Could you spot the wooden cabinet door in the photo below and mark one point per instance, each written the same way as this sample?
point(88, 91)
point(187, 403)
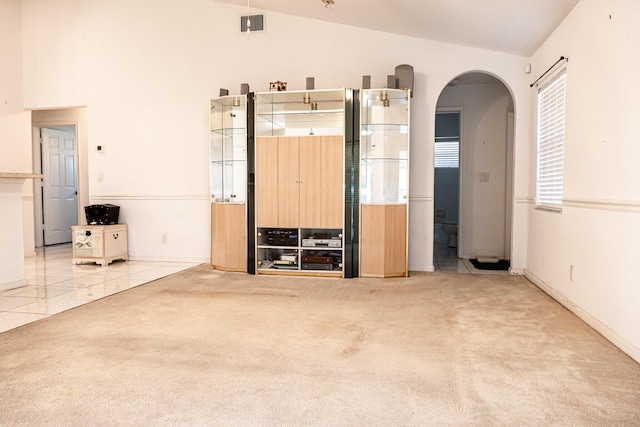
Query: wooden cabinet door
point(383, 241)
point(267, 182)
point(218, 235)
point(321, 181)
point(372, 244)
point(236, 237)
point(299, 182)
point(395, 260)
point(229, 237)
point(288, 199)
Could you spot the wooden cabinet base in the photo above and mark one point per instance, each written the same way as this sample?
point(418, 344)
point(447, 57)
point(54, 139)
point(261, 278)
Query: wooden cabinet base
point(229, 237)
point(383, 241)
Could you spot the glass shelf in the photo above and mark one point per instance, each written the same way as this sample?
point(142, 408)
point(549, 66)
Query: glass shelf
point(384, 146)
point(230, 133)
point(228, 149)
point(384, 181)
point(298, 113)
point(399, 128)
point(384, 106)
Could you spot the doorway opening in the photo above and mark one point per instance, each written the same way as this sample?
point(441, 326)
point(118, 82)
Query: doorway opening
point(71, 120)
point(447, 179)
point(56, 197)
point(473, 196)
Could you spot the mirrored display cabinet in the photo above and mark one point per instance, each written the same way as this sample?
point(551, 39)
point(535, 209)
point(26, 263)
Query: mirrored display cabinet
point(300, 181)
point(311, 182)
point(228, 165)
point(384, 182)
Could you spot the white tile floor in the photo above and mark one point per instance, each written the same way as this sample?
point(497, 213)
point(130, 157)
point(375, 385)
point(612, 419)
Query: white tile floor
point(445, 260)
point(55, 285)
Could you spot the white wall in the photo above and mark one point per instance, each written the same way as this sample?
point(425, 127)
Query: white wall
point(146, 70)
point(10, 59)
point(483, 149)
point(598, 231)
point(15, 134)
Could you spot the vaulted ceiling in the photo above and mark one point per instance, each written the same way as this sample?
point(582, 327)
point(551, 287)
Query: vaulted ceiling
point(512, 26)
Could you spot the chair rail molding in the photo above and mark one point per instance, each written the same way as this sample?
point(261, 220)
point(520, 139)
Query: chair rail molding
point(603, 204)
point(108, 197)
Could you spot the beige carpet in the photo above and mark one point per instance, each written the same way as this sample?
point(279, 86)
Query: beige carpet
point(206, 348)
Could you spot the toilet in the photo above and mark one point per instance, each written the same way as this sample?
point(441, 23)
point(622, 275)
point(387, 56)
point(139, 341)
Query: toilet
point(451, 228)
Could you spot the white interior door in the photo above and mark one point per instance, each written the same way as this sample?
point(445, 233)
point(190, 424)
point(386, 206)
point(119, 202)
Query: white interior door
point(60, 190)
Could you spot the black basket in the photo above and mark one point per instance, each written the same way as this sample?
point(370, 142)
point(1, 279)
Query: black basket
point(102, 214)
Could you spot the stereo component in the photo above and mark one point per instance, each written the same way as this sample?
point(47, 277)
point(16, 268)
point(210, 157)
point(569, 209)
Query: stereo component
point(329, 243)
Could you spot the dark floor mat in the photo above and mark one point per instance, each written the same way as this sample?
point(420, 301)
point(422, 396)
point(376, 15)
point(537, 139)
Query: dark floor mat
point(500, 265)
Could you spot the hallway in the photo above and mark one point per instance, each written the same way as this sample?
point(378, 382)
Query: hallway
point(445, 260)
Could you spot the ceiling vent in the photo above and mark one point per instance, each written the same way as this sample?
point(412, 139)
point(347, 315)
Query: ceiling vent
point(256, 23)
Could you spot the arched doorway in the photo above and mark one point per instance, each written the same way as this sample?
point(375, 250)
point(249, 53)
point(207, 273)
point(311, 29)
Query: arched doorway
point(473, 166)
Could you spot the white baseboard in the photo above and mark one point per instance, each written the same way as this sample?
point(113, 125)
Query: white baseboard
point(168, 259)
point(624, 345)
point(422, 268)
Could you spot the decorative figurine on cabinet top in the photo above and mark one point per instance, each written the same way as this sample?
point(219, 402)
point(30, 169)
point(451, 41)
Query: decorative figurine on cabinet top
point(277, 86)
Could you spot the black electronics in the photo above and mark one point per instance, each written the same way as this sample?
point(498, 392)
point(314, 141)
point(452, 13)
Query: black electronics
point(102, 214)
point(282, 237)
point(317, 259)
point(316, 266)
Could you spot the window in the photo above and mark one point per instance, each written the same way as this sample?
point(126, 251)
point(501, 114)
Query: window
point(447, 146)
point(446, 154)
point(551, 124)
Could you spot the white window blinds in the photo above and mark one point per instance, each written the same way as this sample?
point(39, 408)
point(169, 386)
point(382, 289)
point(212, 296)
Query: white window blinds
point(446, 153)
point(447, 146)
point(551, 124)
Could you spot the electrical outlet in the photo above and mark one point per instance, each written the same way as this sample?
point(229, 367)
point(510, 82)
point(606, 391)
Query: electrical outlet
point(484, 176)
point(164, 238)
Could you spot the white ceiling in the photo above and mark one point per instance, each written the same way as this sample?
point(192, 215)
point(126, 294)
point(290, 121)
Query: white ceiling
point(513, 26)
